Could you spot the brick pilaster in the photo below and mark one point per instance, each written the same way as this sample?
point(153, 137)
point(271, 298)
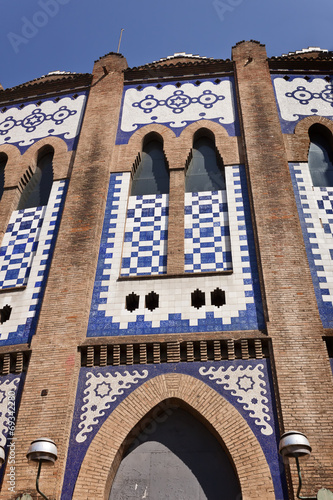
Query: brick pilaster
point(55, 363)
point(175, 263)
point(302, 366)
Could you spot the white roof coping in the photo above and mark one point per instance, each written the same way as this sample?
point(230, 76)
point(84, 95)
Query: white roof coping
point(180, 54)
point(302, 51)
point(51, 73)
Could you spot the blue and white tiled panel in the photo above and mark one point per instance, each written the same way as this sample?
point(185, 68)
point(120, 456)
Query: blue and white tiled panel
point(299, 97)
point(175, 313)
point(19, 246)
point(27, 251)
point(207, 236)
point(246, 385)
point(146, 235)
point(24, 124)
point(315, 208)
point(177, 104)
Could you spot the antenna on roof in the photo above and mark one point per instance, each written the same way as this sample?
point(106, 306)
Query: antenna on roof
point(121, 34)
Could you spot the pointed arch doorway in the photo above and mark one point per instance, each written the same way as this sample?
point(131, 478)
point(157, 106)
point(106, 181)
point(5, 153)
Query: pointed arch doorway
point(108, 448)
point(175, 457)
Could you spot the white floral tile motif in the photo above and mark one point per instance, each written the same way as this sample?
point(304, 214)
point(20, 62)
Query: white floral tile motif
point(247, 384)
point(299, 96)
point(101, 391)
point(178, 106)
point(25, 125)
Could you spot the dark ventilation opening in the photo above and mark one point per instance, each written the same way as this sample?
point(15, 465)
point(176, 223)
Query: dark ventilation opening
point(151, 301)
point(217, 297)
point(132, 302)
point(197, 299)
point(5, 313)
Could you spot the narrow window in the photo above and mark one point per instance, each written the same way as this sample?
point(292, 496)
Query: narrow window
point(3, 161)
point(37, 191)
point(320, 158)
point(151, 176)
point(205, 171)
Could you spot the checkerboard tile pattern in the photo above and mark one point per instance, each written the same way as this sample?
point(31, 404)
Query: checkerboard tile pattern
point(315, 209)
point(146, 235)
point(19, 246)
point(207, 236)
point(34, 239)
point(175, 313)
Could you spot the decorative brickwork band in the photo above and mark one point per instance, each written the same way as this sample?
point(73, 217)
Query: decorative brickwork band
point(173, 352)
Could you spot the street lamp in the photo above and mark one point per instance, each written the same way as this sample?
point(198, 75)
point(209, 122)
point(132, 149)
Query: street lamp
point(2, 455)
point(40, 450)
point(294, 444)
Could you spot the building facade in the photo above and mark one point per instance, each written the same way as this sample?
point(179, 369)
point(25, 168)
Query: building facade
point(166, 277)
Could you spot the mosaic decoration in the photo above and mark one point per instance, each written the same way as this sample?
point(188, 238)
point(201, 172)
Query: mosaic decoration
point(102, 390)
point(175, 313)
point(146, 235)
point(301, 96)
point(99, 393)
point(207, 235)
point(315, 210)
point(19, 246)
point(178, 104)
point(248, 386)
point(25, 124)
point(25, 258)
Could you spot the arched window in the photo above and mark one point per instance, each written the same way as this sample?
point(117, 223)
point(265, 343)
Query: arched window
point(37, 191)
point(205, 171)
point(151, 176)
point(320, 157)
point(176, 457)
point(3, 161)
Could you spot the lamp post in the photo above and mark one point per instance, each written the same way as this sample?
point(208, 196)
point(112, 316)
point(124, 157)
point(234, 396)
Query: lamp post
point(2, 455)
point(40, 450)
point(294, 444)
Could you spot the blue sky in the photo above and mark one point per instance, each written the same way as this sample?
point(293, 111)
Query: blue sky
point(38, 36)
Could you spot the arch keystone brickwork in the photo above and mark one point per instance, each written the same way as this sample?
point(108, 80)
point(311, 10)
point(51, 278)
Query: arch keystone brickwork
point(105, 452)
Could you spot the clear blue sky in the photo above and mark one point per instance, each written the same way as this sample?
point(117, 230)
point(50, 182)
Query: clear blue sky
point(38, 36)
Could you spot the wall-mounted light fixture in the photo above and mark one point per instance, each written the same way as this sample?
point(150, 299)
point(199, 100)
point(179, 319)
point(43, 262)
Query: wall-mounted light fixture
point(294, 444)
point(2, 455)
point(40, 450)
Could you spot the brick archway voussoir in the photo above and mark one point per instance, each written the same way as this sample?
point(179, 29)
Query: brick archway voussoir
point(98, 467)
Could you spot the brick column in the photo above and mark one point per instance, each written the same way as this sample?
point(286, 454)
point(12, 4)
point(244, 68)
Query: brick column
point(175, 263)
point(302, 367)
point(62, 326)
